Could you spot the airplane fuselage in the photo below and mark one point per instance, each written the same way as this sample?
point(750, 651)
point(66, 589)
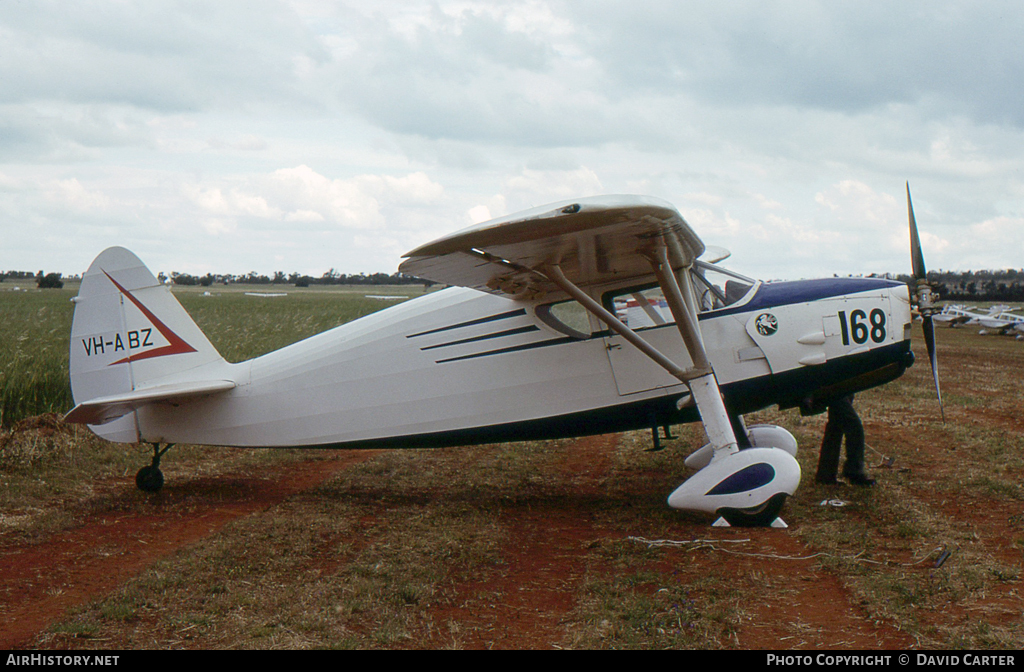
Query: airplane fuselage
point(459, 366)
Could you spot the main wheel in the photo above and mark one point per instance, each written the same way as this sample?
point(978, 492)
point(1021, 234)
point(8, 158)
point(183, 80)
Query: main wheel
point(149, 479)
point(758, 516)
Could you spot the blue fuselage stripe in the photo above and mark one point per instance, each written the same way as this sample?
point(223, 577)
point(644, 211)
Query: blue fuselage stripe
point(774, 294)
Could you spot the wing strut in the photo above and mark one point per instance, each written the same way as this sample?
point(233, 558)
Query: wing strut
point(700, 379)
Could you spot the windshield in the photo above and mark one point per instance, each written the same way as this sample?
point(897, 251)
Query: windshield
point(645, 306)
point(716, 287)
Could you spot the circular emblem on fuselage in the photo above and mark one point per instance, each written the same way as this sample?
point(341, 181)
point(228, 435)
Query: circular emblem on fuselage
point(766, 324)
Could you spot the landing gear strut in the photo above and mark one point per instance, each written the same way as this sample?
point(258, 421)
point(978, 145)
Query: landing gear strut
point(151, 479)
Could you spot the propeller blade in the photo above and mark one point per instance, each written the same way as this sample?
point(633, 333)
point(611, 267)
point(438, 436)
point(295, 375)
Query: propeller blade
point(929, 341)
point(923, 294)
point(916, 257)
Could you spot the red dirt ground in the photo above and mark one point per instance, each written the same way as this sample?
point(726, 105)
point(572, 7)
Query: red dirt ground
point(42, 581)
point(546, 565)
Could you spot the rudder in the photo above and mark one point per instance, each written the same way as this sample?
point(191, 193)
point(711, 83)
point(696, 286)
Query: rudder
point(129, 332)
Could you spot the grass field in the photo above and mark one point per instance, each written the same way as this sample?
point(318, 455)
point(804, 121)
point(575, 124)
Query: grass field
point(565, 544)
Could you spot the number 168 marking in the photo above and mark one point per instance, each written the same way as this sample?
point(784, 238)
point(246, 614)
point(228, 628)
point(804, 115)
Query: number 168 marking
point(860, 330)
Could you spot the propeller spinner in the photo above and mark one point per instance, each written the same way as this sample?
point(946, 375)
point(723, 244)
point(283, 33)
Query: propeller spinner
point(923, 296)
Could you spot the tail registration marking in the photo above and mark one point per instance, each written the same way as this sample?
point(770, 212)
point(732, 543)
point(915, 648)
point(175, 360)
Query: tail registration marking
point(136, 339)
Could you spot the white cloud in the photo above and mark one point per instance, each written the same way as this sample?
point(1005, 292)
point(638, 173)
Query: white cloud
point(217, 227)
point(531, 188)
point(995, 243)
point(339, 202)
point(767, 203)
point(72, 195)
point(479, 213)
point(8, 183)
point(704, 198)
point(354, 202)
point(304, 216)
point(856, 204)
point(413, 188)
point(230, 204)
point(248, 143)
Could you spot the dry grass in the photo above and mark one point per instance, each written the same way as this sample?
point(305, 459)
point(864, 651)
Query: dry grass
point(35, 330)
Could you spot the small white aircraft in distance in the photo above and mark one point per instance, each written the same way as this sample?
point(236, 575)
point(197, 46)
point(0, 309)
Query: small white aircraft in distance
point(954, 315)
point(526, 344)
point(1002, 320)
point(997, 318)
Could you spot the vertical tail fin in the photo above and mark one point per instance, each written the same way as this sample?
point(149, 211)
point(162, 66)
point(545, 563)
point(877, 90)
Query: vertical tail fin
point(130, 333)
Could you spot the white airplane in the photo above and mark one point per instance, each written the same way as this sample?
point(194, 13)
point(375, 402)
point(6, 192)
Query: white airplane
point(997, 318)
point(994, 317)
point(525, 345)
point(1001, 320)
point(955, 315)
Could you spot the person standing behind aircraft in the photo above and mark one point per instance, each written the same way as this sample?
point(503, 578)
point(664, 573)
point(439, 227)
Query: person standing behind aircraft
point(843, 421)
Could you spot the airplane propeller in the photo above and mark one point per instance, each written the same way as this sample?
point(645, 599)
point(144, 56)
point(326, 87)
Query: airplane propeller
point(923, 295)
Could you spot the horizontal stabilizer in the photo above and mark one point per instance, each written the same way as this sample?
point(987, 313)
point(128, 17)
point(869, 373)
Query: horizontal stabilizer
point(105, 409)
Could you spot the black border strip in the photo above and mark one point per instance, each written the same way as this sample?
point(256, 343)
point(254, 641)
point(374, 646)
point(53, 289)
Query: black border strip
point(482, 320)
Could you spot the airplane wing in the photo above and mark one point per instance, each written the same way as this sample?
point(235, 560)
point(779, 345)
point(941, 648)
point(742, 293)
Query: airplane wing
point(563, 249)
point(1004, 321)
point(105, 409)
point(592, 240)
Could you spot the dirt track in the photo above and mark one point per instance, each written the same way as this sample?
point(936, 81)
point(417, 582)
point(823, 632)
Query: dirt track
point(547, 563)
point(42, 581)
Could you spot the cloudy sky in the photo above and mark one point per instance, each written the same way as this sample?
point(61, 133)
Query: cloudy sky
point(300, 136)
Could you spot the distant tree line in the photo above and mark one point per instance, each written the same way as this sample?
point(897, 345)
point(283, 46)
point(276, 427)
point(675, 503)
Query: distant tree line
point(970, 286)
point(42, 280)
point(331, 277)
point(966, 286)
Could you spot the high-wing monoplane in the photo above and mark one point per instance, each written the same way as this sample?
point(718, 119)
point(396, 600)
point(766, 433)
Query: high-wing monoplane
point(997, 318)
point(1001, 320)
point(955, 315)
point(584, 317)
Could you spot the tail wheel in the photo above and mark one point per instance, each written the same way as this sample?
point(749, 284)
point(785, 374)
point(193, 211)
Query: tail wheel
point(757, 516)
point(149, 479)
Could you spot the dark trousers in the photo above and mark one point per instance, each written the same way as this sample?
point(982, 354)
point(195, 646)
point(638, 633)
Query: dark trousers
point(842, 421)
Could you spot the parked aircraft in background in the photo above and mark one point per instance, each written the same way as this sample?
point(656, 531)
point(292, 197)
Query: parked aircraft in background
point(1001, 320)
point(996, 318)
point(955, 315)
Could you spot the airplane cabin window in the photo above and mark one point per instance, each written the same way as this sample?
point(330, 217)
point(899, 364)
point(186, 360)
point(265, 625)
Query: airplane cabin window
point(645, 306)
point(717, 288)
point(642, 308)
point(568, 317)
